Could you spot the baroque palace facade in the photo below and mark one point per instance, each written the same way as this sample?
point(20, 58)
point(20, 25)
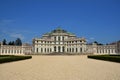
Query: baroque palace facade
point(60, 41)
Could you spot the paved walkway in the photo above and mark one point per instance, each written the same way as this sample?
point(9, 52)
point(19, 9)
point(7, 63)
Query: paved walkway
point(60, 68)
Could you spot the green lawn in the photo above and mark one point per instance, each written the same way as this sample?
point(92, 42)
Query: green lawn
point(113, 58)
point(11, 58)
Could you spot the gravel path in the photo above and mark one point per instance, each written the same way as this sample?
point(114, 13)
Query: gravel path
point(60, 68)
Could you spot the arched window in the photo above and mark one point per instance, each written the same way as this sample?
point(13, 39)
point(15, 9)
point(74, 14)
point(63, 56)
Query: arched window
point(45, 49)
point(55, 49)
point(8, 51)
point(80, 49)
point(11, 51)
point(67, 50)
point(63, 49)
point(59, 49)
point(112, 51)
point(109, 50)
point(37, 50)
point(58, 38)
point(76, 50)
point(55, 38)
point(63, 38)
point(14, 51)
point(5, 51)
point(41, 49)
point(50, 50)
point(2, 51)
point(17, 51)
point(20, 51)
point(72, 49)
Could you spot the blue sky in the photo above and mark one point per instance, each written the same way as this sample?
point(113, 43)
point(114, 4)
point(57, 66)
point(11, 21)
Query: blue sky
point(96, 20)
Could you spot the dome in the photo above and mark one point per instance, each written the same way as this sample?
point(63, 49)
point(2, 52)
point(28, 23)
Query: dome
point(59, 30)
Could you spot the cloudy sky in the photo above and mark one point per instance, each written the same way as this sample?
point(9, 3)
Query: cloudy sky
point(96, 20)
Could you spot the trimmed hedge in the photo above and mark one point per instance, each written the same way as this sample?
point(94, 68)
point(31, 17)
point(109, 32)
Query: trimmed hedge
point(10, 58)
point(113, 58)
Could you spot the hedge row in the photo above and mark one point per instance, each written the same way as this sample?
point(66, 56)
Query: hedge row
point(113, 58)
point(10, 58)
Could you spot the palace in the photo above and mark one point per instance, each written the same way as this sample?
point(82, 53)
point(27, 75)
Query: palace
point(60, 41)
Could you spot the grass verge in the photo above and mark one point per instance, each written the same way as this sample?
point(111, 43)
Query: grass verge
point(113, 58)
point(11, 58)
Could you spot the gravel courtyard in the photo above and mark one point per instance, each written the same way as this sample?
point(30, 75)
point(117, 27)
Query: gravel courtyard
point(60, 68)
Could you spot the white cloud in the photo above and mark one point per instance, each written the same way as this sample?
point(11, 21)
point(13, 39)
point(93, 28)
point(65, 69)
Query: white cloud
point(12, 34)
point(6, 22)
point(92, 38)
point(17, 35)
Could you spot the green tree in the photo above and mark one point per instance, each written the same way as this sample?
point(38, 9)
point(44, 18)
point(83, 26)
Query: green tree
point(4, 42)
point(10, 43)
point(98, 43)
point(18, 42)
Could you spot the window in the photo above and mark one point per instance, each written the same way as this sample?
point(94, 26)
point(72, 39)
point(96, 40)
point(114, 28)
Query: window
point(17, 51)
point(20, 51)
point(80, 49)
point(55, 49)
point(76, 41)
point(41, 50)
point(76, 50)
point(112, 50)
point(63, 38)
point(2, 51)
point(63, 48)
point(55, 38)
point(5, 51)
point(8, 51)
point(37, 50)
point(67, 49)
point(11, 51)
point(59, 38)
point(48, 50)
point(14, 51)
point(72, 49)
point(45, 49)
point(59, 48)
point(109, 50)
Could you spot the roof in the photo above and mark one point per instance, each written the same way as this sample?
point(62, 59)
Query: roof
point(58, 30)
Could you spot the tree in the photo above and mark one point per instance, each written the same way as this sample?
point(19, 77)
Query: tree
point(10, 43)
point(98, 43)
point(4, 42)
point(18, 42)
